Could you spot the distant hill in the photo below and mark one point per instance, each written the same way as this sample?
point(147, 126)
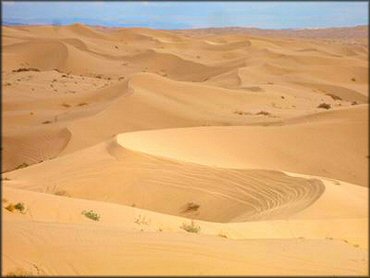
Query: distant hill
point(337, 33)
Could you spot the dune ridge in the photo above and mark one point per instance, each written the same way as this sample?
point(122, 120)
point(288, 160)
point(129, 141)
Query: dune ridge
point(134, 151)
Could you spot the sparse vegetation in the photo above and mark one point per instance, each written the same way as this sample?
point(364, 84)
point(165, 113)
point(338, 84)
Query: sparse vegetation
point(66, 105)
point(190, 207)
point(241, 112)
point(82, 104)
point(324, 106)
point(46, 122)
point(222, 235)
point(91, 214)
point(354, 103)
point(141, 220)
point(191, 228)
point(18, 206)
point(263, 113)
point(356, 245)
point(353, 79)
point(25, 69)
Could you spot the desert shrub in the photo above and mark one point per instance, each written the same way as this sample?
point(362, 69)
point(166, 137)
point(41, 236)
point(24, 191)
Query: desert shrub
point(46, 122)
point(19, 206)
point(324, 106)
point(335, 97)
point(25, 69)
point(66, 105)
point(20, 166)
point(263, 113)
point(91, 214)
point(190, 228)
point(141, 220)
point(191, 207)
point(353, 79)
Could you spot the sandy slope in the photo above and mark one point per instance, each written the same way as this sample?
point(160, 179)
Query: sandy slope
point(151, 129)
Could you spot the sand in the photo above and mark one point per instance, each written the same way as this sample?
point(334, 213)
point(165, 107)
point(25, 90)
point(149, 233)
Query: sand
point(202, 152)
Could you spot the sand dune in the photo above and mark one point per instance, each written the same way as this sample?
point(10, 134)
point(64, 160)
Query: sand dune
point(216, 151)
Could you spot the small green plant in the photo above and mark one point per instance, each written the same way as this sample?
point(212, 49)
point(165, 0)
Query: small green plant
point(91, 214)
point(191, 228)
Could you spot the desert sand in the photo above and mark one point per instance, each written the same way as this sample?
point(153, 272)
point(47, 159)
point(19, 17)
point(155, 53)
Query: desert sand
point(197, 152)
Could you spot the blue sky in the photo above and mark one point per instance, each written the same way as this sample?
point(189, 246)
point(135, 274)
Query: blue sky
point(183, 15)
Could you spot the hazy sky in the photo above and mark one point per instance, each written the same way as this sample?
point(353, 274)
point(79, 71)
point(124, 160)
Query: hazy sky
point(175, 15)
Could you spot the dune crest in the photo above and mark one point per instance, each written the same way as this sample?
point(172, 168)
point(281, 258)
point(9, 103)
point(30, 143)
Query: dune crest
point(134, 151)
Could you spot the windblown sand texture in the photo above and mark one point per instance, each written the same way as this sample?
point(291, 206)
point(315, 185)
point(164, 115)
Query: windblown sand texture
point(202, 152)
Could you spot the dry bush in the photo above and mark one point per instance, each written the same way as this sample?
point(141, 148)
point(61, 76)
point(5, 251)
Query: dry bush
point(324, 106)
point(25, 69)
point(141, 220)
point(191, 228)
point(18, 206)
point(263, 113)
point(20, 166)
